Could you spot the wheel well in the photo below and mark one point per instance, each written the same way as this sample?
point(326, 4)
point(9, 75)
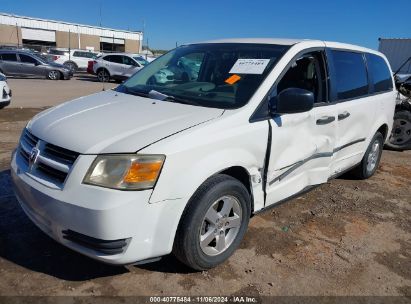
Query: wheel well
point(104, 69)
point(70, 61)
point(241, 174)
point(384, 131)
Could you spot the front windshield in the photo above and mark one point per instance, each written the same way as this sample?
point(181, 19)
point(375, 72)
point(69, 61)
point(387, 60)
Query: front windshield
point(223, 75)
point(141, 60)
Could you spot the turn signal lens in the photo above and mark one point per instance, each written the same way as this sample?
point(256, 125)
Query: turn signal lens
point(125, 172)
point(143, 172)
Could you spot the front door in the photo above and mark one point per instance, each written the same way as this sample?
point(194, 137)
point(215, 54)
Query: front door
point(302, 144)
point(129, 66)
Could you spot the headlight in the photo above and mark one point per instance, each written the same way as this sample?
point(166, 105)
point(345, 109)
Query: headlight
point(3, 77)
point(125, 172)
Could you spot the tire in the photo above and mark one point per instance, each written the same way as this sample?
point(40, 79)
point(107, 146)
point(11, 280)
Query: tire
point(54, 75)
point(71, 66)
point(400, 138)
point(103, 75)
point(371, 159)
point(220, 209)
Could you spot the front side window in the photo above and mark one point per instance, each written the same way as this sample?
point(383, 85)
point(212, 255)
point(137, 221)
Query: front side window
point(128, 61)
point(307, 72)
point(141, 61)
point(27, 59)
point(8, 57)
point(223, 75)
point(351, 74)
point(381, 76)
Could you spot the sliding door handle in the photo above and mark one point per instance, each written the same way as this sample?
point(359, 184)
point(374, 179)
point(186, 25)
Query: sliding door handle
point(325, 120)
point(343, 115)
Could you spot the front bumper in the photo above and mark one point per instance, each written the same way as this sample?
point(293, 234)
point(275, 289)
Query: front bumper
point(67, 74)
point(98, 214)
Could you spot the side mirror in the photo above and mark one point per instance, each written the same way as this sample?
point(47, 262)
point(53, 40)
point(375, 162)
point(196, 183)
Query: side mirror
point(292, 100)
point(37, 63)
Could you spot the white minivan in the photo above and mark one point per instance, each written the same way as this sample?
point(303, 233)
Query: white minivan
point(181, 155)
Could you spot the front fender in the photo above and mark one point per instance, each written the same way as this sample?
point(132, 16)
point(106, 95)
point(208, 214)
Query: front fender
point(202, 156)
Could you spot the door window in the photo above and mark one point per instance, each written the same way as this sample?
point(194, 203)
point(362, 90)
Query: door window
point(27, 59)
point(351, 74)
point(8, 57)
point(129, 61)
point(308, 72)
point(114, 59)
point(381, 76)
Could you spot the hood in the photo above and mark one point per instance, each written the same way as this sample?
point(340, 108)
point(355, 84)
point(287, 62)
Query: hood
point(112, 122)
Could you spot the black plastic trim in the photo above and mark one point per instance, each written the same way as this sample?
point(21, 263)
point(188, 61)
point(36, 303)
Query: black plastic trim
point(103, 246)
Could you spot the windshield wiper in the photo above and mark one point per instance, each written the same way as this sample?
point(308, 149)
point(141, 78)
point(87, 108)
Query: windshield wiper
point(126, 90)
point(164, 97)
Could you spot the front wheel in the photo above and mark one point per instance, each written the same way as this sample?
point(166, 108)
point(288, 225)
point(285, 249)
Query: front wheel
point(213, 224)
point(53, 75)
point(371, 159)
point(71, 66)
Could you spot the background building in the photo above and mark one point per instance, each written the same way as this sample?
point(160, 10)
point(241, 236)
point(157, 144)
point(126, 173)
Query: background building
point(38, 33)
point(397, 51)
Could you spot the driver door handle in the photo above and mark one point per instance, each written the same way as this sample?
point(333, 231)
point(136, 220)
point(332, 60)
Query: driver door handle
point(325, 120)
point(343, 115)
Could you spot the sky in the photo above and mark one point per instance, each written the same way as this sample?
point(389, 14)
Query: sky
point(168, 23)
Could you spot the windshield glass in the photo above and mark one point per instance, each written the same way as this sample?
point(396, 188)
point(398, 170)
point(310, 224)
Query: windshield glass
point(141, 60)
point(222, 75)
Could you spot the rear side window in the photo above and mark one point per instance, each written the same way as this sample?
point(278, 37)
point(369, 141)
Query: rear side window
point(9, 57)
point(114, 58)
point(381, 76)
point(351, 74)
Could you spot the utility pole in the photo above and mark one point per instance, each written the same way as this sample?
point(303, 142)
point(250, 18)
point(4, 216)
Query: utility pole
point(144, 35)
point(69, 44)
point(18, 36)
point(101, 4)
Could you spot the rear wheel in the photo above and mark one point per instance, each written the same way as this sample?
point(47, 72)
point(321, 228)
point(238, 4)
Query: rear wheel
point(71, 66)
point(213, 224)
point(103, 75)
point(400, 138)
point(53, 75)
point(371, 160)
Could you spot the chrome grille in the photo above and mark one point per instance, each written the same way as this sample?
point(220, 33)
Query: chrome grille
point(50, 163)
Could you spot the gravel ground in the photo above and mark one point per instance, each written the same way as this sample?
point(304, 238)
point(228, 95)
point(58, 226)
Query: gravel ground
point(346, 237)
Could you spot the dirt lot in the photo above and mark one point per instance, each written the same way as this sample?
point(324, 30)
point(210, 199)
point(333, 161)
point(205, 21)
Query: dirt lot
point(346, 237)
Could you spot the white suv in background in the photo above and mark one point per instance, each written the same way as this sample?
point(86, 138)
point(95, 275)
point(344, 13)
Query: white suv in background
point(5, 92)
point(153, 167)
point(117, 66)
point(75, 59)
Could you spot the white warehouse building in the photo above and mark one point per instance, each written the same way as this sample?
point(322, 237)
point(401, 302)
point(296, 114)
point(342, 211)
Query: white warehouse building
point(36, 32)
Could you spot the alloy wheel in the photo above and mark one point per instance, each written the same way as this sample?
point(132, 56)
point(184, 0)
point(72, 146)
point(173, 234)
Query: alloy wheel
point(54, 75)
point(220, 225)
point(373, 156)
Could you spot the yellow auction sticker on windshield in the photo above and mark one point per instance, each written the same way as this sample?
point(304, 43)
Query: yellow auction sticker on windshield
point(232, 79)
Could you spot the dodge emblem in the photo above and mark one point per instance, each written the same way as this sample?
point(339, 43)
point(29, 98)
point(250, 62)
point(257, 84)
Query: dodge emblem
point(33, 156)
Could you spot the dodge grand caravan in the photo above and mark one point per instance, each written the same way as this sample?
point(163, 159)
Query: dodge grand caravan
point(178, 158)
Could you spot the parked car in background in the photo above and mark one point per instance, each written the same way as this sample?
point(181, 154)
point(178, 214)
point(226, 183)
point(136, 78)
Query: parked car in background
point(117, 66)
point(75, 60)
point(182, 165)
point(5, 92)
point(23, 63)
